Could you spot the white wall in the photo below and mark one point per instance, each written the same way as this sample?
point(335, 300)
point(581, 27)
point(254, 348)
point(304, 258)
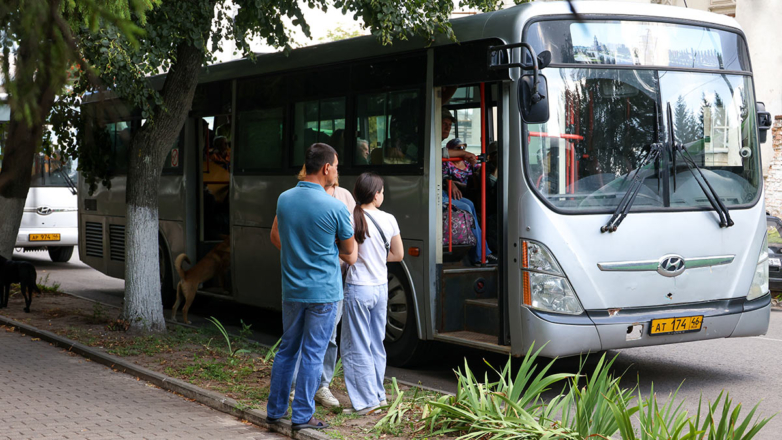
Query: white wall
point(760, 20)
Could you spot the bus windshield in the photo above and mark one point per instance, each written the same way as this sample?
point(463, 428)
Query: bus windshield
point(602, 121)
point(54, 171)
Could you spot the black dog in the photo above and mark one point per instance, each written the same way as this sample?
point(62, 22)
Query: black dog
point(21, 272)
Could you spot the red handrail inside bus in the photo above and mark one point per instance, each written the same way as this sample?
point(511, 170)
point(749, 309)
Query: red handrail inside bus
point(483, 175)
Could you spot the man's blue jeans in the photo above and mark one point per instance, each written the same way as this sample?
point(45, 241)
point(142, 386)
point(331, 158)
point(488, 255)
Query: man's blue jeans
point(307, 328)
point(330, 359)
point(466, 204)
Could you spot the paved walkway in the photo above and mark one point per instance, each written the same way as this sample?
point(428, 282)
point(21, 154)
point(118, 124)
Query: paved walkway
point(46, 392)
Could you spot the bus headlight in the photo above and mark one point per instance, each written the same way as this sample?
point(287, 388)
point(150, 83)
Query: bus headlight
point(544, 284)
point(759, 285)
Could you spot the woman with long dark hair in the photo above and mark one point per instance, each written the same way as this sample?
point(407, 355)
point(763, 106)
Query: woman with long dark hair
point(366, 295)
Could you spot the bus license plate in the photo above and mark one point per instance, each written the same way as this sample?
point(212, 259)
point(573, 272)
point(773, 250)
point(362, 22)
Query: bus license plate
point(774, 262)
point(44, 237)
point(672, 326)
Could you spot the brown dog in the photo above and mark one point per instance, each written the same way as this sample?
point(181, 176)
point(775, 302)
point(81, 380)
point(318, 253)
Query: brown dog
point(213, 264)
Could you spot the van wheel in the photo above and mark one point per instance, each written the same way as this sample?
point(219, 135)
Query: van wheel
point(60, 254)
point(167, 291)
point(403, 348)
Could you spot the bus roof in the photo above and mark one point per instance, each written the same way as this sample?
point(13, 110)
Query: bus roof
point(506, 25)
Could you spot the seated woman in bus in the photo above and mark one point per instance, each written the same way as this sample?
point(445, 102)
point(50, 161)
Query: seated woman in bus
point(459, 172)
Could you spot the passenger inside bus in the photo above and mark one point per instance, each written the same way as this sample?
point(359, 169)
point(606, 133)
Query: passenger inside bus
point(216, 168)
point(461, 173)
point(362, 152)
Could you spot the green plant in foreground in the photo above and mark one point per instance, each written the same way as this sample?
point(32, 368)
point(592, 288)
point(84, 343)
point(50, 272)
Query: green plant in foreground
point(272, 352)
point(227, 337)
point(589, 406)
point(510, 408)
point(585, 409)
point(245, 332)
point(338, 371)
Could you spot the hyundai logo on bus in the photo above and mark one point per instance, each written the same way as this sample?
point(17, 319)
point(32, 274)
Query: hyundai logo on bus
point(44, 210)
point(671, 265)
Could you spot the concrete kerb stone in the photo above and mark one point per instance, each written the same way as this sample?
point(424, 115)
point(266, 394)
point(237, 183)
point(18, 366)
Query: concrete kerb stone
point(187, 390)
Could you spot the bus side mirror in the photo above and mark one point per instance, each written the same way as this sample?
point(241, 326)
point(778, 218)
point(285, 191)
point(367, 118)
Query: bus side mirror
point(764, 121)
point(533, 99)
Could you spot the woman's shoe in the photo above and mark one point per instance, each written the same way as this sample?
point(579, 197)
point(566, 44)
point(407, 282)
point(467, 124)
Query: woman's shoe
point(361, 412)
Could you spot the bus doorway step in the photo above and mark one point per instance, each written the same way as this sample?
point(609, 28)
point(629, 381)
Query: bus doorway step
point(482, 315)
point(473, 339)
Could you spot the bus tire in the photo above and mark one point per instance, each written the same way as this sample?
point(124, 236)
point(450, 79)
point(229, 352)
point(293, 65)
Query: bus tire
point(167, 291)
point(403, 348)
point(60, 254)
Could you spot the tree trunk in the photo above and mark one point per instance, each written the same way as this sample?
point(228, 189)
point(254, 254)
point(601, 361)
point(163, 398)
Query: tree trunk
point(17, 163)
point(24, 137)
point(148, 150)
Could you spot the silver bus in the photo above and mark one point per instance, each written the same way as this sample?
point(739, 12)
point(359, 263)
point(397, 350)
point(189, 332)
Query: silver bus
point(623, 193)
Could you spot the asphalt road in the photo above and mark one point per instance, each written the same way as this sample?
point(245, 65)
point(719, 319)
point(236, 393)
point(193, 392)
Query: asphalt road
point(746, 367)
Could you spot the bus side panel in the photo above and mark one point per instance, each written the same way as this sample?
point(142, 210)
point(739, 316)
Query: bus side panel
point(102, 246)
point(257, 262)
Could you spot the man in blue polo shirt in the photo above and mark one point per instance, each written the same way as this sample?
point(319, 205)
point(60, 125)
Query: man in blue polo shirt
point(314, 228)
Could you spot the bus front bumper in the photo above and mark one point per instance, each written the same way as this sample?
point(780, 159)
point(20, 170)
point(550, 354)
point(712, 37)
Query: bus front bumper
point(68, 237)
point(598, 330)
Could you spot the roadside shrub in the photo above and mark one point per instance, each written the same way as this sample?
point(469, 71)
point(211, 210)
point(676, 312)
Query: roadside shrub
point(589, 406)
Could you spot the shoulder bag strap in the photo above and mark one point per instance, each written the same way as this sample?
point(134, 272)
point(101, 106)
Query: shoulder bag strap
point(382, 235)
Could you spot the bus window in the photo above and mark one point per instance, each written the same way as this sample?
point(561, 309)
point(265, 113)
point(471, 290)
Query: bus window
point(258, 140)
point(318, 121)
point(389, 125)
point(119, 135)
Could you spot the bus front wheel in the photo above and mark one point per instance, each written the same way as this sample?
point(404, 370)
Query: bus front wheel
point(60, 254)
point(403, 348)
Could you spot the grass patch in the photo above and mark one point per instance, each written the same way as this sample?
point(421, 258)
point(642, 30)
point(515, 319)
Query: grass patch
point(45, 287)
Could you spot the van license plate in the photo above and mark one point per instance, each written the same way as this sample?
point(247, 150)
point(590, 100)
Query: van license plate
point(44, 237)
point(672, 326)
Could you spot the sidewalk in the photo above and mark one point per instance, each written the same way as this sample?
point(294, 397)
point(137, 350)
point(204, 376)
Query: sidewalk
point(46, 392)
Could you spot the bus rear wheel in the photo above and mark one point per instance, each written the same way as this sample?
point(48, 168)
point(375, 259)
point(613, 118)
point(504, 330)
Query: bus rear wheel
point(60, 254)
point(403, 348)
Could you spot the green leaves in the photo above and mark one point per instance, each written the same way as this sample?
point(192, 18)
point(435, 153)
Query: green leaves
point(590, 406)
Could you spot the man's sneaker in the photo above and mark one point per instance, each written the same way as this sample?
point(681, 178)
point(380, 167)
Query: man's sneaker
point(384, 402)
point(325, 398)
point(292, 395)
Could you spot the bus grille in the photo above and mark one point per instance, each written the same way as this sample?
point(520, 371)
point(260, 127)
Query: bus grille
point(117, 242)
point(93, 238)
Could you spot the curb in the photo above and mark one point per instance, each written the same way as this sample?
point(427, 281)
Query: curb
point(200, 395)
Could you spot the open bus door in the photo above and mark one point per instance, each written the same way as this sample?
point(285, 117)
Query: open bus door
point(471, 299)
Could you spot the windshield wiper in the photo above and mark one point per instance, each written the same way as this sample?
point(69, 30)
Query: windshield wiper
point(71, 184)
point(708, 190)
point(653, 155)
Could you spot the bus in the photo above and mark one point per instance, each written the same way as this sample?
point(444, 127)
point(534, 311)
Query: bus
point(622, 195)
point(50, 217)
